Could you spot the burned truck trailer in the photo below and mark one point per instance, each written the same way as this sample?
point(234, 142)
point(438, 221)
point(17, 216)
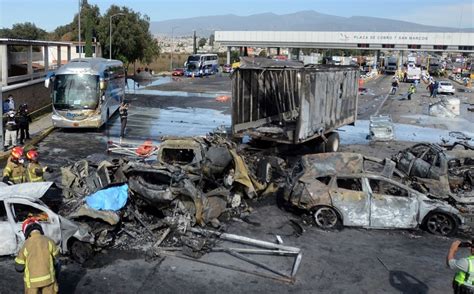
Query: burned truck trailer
point(286, 102)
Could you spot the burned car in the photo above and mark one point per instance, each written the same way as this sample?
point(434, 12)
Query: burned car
point(18, 202)
point(337, 190)
point(442, 172)
point(445, 172)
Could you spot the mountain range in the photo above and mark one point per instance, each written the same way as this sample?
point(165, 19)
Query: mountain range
point(298, 21)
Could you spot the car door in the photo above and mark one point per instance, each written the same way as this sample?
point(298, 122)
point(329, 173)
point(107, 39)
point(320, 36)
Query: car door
point(350, 199)
point(8, 240)
point(391, 205)
point(22, 209)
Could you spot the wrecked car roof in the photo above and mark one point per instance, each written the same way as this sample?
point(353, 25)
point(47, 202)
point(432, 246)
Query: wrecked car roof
point(324, 164)
point(26, 190)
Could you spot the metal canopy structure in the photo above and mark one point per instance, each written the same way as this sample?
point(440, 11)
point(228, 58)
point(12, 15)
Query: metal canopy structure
point(416, 41)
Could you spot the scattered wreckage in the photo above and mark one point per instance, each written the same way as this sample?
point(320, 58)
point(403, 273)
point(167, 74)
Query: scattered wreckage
point(19, 202)
point(194, 182)
point(337, 190)
point(445, 172)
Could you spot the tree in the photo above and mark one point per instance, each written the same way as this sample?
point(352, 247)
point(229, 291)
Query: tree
point(88, 35)
point(27, 31)
point(131, 37)
point(70, 31)
point(263, 53)
point(202, 42)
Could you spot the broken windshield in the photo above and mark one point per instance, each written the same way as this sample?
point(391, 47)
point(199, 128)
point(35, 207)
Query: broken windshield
point(73, 91)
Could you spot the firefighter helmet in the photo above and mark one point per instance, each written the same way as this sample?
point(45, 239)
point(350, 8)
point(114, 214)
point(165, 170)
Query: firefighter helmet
point(30, 224)
point(17, 152)
point(32, 155)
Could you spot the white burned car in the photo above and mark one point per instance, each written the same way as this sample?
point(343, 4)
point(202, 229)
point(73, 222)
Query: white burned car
point(337, 190)
point(18, 202)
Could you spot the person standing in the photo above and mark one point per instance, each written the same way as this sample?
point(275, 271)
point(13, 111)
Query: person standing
point(435, 89)
point(5, 106)
point(37, 259)
point(24, 123)
point(430, 88)
point(11, 129)
point(34, 171)
point(11, 103)
point(123, 112)
point(464, 279)
point(14, 171)
point(411, 91)
point(394, 88)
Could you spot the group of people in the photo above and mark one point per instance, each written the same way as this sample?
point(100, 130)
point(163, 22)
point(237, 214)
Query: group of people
point(396, 85)
point(18, 170)
point(16, 123)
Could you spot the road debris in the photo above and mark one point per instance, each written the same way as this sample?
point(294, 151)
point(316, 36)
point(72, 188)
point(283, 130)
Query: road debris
point(381, 128)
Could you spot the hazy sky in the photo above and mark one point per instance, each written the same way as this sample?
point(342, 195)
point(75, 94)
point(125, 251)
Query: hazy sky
point(48, 14)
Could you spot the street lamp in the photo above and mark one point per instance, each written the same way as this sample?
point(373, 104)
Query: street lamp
point(110, 33)
point(172, 41)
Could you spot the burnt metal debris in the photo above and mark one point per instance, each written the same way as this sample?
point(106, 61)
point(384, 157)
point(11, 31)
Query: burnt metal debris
point(194, 182)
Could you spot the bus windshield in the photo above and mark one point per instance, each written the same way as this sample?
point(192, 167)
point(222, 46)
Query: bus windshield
point(194, 58)
point(76, 91)
point(192, 66)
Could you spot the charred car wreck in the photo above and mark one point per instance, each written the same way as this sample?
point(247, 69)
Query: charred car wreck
point(443, 172)
point(337, 190)
point(194, 181)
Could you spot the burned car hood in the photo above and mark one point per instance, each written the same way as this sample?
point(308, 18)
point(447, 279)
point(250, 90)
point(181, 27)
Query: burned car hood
point(27, 190)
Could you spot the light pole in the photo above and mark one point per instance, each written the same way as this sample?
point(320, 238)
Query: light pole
point(110, 33)
point(172, 41)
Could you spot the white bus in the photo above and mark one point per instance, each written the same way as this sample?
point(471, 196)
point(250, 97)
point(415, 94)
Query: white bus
point(86, 92)
point(201, 65)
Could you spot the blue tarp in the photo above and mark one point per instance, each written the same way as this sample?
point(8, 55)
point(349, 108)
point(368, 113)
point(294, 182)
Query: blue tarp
point(109, 199)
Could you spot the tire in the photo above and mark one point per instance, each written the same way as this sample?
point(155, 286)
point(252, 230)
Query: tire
point(80, 251)
point(326, 218)
point(439, 223)
point(332, 144)
point(264, 171)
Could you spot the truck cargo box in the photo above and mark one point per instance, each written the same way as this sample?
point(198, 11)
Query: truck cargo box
point(286, 102)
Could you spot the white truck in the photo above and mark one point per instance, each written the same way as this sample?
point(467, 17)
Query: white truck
point(413, 72)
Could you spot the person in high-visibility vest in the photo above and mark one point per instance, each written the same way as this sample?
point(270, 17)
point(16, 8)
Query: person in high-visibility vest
point(37, 259)
point(411, 91)
point(14, 171)
point(464, 279)
point(34, 171)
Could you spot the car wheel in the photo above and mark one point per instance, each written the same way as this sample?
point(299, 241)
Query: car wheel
point(332, 144)
point(441, 224)
point(326, 218)
point(80, 251)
